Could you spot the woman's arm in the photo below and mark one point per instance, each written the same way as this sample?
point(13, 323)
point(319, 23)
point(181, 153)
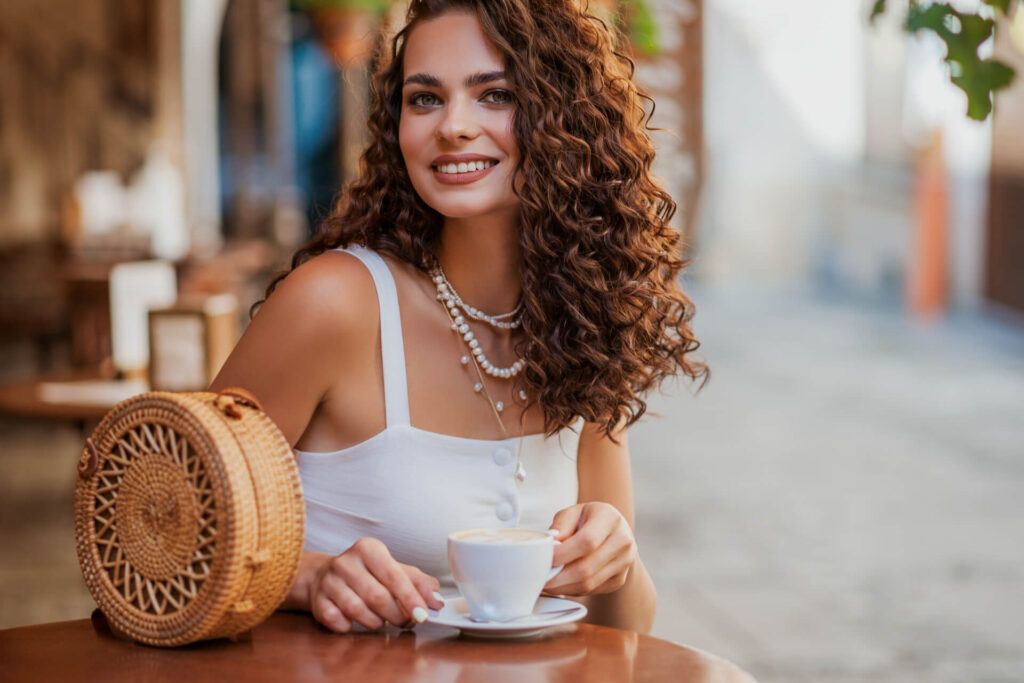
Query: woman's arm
point(604, 475)
point(298, 343)
point(318, 324)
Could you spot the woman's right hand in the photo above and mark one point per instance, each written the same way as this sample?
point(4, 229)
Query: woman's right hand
point(366, 585)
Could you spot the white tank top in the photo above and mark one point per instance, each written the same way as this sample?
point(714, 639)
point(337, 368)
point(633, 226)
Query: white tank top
point(410, 488)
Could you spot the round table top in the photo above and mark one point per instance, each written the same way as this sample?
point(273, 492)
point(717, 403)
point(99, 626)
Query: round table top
point(88, 398)
point(292, 647)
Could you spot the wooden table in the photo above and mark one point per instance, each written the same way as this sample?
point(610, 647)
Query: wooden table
point(292, 647)
point(21, 398)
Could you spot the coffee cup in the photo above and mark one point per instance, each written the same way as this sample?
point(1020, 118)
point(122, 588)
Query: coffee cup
point(501, 572)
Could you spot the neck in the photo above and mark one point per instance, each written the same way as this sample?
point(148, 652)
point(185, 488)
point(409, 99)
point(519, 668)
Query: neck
point(481, 258)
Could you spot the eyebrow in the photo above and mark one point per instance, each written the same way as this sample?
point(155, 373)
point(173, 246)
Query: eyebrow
point(471, 81)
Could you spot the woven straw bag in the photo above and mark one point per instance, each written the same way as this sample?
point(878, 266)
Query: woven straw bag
point(189, 516)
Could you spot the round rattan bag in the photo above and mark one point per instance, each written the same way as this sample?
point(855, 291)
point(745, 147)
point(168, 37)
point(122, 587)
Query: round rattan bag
point(189, 516)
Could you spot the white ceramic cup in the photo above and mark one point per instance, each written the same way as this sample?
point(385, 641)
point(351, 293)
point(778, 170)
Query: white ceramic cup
point(501, 579)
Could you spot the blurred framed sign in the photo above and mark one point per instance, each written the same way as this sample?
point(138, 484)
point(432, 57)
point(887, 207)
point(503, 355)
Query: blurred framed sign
point(190, 341)
point(135, 288)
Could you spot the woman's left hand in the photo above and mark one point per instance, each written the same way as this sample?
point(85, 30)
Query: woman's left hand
point(597, 549)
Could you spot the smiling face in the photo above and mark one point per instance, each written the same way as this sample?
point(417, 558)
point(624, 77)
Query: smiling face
point(455, 131)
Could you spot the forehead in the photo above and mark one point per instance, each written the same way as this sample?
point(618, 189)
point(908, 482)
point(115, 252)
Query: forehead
point(450, 46)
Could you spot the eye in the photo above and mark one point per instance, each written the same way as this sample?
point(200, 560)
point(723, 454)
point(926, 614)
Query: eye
point(499, 96)
point(417, 99)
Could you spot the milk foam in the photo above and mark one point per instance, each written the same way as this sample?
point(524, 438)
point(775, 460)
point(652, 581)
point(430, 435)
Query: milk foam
point(501, 536)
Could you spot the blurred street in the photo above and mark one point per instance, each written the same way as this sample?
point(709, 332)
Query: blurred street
point(841, 503)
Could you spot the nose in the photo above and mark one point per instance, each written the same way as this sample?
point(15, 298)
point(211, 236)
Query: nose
point(458, 121)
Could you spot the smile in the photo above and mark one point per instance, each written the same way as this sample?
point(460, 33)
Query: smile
point(464, 167)
point(463, 172)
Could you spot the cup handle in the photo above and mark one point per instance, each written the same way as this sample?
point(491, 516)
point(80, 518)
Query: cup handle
point(555, 570)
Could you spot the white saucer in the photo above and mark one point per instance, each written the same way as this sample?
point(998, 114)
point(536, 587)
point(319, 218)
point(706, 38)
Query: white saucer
point(455, 613)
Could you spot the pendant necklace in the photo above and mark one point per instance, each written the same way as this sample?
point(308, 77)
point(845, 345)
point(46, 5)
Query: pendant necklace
point(454, 307)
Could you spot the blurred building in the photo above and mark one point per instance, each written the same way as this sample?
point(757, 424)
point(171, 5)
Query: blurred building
point(793, 135)
point(816, 124)
point(99, 86)
point(208, 133)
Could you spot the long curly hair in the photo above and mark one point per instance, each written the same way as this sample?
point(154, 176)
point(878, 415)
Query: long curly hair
point(604, 318)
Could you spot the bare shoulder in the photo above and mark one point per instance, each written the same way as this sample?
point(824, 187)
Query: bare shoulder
point(324, 309)
point(320, 317)
point(333, 288)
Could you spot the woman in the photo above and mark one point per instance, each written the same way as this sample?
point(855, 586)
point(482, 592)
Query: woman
point(468, 339)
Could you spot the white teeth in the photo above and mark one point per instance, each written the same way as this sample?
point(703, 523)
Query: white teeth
point(464, 167)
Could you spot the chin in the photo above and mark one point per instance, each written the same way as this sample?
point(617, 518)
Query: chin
point(461, 209)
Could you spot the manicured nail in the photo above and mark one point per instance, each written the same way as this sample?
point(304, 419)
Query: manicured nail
point(554, 532)
point(438, 597)
point(419, 615)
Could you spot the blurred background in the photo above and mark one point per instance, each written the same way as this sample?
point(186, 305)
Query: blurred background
point(842, 502)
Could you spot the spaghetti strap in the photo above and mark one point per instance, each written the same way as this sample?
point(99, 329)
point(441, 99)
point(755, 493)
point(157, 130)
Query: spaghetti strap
point(392, 348)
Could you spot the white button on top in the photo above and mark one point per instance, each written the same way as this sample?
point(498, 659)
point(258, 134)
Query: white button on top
point(502, 457)
point(505, 512)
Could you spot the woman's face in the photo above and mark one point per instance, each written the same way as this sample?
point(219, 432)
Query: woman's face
point(456, 125)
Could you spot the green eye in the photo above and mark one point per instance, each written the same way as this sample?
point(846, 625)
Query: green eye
point(416, 99)
point(499, 96)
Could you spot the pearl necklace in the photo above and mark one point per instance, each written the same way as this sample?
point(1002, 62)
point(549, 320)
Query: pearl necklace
point(495, 321)
point(460, 326)
point(498, 321)
point(451, 301)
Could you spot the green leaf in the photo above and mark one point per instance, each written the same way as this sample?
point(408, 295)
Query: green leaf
point(378, 6)
point(930, 18)
point(1001, 5)
point(963, 33)
point(876, 10)
point(980, 83)
point(644, 29)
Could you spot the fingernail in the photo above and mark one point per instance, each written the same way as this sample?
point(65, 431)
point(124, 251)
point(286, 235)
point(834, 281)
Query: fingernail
point(554, 532)
point(438, 597)
point(419, 615)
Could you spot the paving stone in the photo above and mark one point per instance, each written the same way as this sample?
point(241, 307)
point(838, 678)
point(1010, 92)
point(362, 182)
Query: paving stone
point(844, 496)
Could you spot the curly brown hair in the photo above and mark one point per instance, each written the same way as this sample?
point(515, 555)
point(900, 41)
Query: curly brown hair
point(604, 318)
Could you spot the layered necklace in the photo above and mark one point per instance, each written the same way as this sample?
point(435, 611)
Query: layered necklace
point(458, 311)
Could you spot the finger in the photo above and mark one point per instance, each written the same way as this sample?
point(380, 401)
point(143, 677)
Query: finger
point(427, 586)
point(404, 601)
point(610, 586)
point(586, 587)
point(328, 614)
point(587, 573)
point(355, 609)
point(587, 539)
point(614, 583)
point(379, 599)
point(610, 580)
point(566, 521)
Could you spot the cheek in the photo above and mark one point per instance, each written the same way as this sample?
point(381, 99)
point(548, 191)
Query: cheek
point(405, 147)
point(508, 140)
point(409, 142)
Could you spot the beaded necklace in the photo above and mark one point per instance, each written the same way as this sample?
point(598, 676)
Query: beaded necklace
point(454, 307)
